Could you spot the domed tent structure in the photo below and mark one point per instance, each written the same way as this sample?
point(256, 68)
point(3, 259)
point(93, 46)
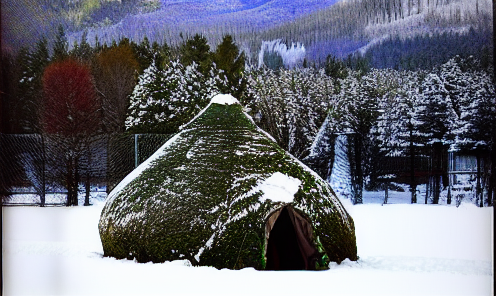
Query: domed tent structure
point(222, 193)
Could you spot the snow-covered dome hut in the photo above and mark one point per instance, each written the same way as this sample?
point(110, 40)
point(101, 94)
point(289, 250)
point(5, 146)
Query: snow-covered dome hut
point(222, 193)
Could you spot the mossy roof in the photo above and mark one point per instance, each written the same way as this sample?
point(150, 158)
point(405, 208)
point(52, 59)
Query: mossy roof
point(205, 194)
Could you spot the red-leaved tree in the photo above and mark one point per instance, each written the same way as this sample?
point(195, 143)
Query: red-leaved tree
point(69, 117)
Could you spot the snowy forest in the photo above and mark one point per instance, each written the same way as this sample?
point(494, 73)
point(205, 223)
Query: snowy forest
point(401, 125)
point(409, 84)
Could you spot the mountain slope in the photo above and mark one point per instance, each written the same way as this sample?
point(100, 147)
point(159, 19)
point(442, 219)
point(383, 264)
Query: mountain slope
point(358, 25)
point(210, 18)
point(24, 22)
point(324, 27)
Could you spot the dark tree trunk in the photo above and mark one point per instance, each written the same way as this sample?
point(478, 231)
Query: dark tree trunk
point(449, 195)
point(427, 188)
point(87, 189)
point(87, 184)
point(386, 193)
point(437, 169)
point(72, 182)
point(43, 175)
point(358, 169)
point(478, 189)
point(435, 189)
point(76, 183)
point(69, 181)
point(413, 184)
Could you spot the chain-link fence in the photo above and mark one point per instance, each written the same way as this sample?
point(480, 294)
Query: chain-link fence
point(33, 167)
point(126, 152)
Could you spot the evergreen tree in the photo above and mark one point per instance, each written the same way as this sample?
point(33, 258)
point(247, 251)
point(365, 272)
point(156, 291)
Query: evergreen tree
point(335, 68)
point(290, 105)
point(196, 50)
point(144, 53)
point(60, 47)
point(476, 128)
point(395, 129)
point(433, 117)
point(82, 51)
point(32, 64)
point(163, 100)
point(355, 115)
point(162, 53)
point(147, 53)
point(321, 157)
point(232, 64)
point(25, 103)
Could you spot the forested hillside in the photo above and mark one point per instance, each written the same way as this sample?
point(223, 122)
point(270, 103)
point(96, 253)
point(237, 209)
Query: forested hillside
point(397, 30)
point(26, 21)
point(402, 34)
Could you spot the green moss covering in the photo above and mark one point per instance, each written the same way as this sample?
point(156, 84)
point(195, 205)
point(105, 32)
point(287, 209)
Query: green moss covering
point(196, 201)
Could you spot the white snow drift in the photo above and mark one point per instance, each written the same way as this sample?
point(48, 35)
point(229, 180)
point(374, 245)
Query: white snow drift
point(404, 250)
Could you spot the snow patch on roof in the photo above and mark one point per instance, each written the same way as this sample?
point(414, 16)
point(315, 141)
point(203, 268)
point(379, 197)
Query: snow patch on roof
point(278, 188)
point(224, 99)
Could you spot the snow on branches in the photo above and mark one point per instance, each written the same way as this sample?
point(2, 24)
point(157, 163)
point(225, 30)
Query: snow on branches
point(163, 100)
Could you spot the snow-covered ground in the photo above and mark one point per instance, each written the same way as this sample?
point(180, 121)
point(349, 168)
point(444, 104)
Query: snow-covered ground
point(404, 249)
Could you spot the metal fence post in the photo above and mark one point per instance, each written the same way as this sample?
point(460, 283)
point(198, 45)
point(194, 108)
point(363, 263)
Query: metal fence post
point(135, 150)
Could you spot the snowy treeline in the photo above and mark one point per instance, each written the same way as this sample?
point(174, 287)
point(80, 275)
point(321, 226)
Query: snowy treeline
point(163, 100)
point(386, 113)
point(290, 104)
point(414, 114)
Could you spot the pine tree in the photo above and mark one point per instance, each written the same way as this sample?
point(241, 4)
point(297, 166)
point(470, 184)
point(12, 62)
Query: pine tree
point(144, 53)
point(164, 100)
point(82, 51)
point(32, 64)
point(433, 118)
point(321, 157)
point(161, 53)
point(60, 47)
point(355, 115)
point(476, 127)
point(335, 68)
point(196, 50)
point(395, 129)
point(290, 105)
point(232, 64)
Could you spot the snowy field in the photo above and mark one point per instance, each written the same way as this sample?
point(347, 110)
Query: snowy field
point(404, 249)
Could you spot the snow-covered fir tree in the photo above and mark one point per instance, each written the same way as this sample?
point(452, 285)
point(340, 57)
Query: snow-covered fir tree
point(291, 104)
point(321, 157)
point(476, 126)
point(434, 113)
point(395, 131)
point(355, 114)
point(162, 101)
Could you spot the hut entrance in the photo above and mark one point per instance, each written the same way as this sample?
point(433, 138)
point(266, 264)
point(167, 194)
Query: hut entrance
point(289, 241)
